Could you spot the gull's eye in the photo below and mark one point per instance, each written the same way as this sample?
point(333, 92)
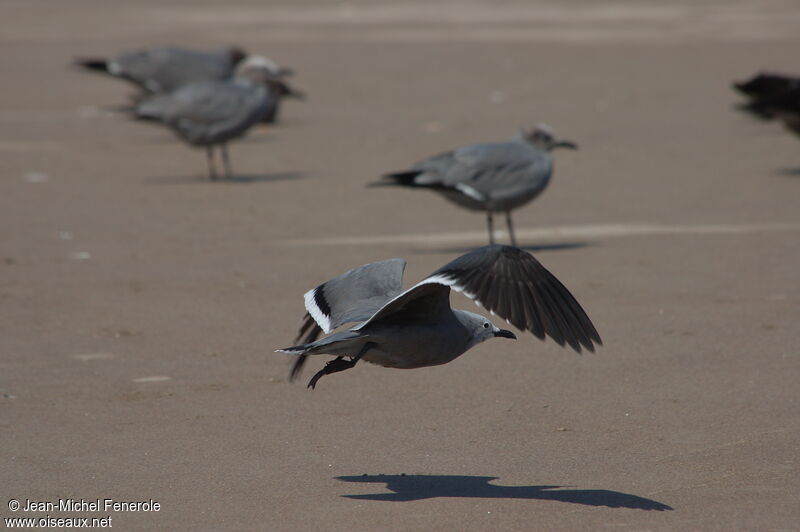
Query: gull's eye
point(486, 325)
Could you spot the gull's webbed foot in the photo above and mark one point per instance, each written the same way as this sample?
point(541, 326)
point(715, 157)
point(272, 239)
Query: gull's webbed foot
point(334, 366)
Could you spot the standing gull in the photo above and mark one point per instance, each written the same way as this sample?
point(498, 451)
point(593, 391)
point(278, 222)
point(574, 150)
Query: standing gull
point(212, 113)
point(491, 177)
point(166, 68)
point(417, 328)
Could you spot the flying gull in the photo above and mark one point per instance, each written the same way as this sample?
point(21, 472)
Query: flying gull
point(417, 327)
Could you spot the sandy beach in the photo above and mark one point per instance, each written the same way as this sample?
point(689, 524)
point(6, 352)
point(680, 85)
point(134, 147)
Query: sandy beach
point(141, 303)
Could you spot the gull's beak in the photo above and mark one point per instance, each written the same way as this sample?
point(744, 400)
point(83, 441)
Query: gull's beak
point(565, 144)
point(505, 334)
point(295, 93)
point(276, 83)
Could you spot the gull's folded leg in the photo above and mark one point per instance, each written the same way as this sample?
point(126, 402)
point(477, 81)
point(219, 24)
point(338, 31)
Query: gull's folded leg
point(510, 229)
point(212, 171)
point(339, 364)
point(226, 161)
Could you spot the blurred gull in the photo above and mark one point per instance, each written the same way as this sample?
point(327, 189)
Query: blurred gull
point(490, 177)
point(166, 68)
point(417, 328)
point(786, 108)
point(210, 113)
point(765, 91)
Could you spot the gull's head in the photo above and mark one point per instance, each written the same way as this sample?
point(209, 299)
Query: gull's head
point(259, 61)
point(262, 75)
point(480, 328)
point(283, 89)
point(542, 136)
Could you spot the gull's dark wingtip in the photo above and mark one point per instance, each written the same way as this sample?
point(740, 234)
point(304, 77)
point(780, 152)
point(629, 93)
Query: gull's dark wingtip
point(312, 331)
point(510, 282)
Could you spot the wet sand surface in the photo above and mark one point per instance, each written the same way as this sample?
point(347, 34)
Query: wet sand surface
point(140, 304)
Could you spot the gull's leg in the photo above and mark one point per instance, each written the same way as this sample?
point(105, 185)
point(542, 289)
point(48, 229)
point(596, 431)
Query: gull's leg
point(490, 224)
point(510, 229)
point(339, 364)
point(212, 171)
point(226, 162)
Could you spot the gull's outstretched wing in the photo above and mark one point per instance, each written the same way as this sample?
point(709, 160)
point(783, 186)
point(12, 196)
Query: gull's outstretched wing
point(352, 297)
point(511, 283)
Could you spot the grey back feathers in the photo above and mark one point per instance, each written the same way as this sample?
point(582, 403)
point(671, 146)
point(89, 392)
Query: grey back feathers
point(505, 280)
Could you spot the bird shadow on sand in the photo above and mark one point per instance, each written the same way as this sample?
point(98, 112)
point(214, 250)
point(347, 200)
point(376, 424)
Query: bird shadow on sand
point(534, 248)
point(788, 172)
point(236, 179)
point(417, 487)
